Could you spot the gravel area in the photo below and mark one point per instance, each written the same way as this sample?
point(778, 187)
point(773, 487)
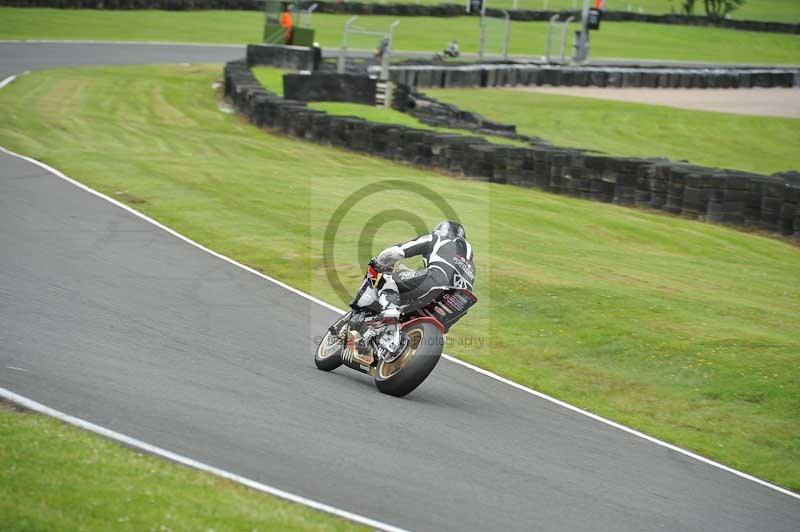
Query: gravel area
point(763, 102)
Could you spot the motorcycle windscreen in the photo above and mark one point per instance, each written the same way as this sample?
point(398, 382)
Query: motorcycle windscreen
point(366, 297)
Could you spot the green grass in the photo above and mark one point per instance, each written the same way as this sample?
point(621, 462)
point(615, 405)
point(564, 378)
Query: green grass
point(57, 477)
point(272, 79)
point(684, 330)
point(755, 143)
point(616, 40)
point(778, 10)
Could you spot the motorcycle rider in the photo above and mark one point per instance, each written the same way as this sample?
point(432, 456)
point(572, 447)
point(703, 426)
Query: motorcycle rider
point(447, 256)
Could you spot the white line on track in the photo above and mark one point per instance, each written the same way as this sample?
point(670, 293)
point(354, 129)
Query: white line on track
point(447, 357)
point(8, 80)
point(169, 455)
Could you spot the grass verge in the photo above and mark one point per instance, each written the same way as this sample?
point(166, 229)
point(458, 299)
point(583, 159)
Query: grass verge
point(684, 330)
point(755, 143)
point(652, 41)
point(777, 10)
point(57, 477)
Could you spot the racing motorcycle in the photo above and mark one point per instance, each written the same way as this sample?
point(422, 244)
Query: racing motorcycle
point(398, 353)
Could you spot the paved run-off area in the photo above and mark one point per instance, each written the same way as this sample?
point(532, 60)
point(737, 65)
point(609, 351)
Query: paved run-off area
point(761, 102)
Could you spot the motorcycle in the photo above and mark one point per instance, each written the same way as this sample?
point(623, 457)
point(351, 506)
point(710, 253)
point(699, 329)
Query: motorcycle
point(398, 353)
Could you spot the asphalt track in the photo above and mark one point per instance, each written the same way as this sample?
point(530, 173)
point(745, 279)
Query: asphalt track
point(111, 319)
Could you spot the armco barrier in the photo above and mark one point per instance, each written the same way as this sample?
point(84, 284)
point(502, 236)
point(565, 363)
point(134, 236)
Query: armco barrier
point(528, 74)
point(735, 198)
point(410, 9)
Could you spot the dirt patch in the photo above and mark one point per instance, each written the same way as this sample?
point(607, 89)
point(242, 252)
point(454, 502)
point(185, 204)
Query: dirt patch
point(127, 197)
point(762, 102)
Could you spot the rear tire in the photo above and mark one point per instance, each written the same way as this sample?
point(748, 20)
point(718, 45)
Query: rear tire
point(401, 376)
point(329, 351)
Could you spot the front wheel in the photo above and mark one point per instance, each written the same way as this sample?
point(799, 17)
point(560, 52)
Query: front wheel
point(407, 371)
point(329, 351)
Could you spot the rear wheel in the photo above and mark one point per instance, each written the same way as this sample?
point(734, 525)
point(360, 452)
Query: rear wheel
point(329, 351)
point(407, 370)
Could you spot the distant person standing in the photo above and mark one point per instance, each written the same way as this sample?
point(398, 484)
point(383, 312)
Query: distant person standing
point(382, 47)
point(287, 23)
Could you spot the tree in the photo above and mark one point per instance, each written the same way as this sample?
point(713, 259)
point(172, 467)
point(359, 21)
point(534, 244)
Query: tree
point(721, 8)
point(688, 7)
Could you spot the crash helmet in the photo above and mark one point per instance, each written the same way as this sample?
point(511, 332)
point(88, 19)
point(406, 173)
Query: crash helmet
point(451, 230)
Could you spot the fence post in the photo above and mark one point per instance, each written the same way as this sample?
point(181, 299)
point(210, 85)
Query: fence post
point(549, 43)
point(386, 57)
point(507, 28)
point(564, 34)
point(582, 48)
point(342, 67)
point(305, 16)
point(482, 41)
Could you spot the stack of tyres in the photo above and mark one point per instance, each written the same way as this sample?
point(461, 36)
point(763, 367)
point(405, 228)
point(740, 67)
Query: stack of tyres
point(658, 185)
point(643, 176)
point(442, 150)
point(625, 173)
point(380, 143)
point(480, 161)
point(509, 164)
point(338, 131)
point(286, 115)
point(695, 194)
point(456, 152)
point(791, 206)
point(559, 161)
point(403, 148)
point(301, 125)
point(321, 128)
point(752, 200)
point(771, 203)
point(675, 183)
point(727, 198)
point(424, 152)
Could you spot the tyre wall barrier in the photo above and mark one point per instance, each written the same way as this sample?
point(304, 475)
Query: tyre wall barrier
point(410, 9)
point(323, 87)
point(729, 197)
point(354, 88)
point(434, 113)
point(283, 56)
point(512, 74)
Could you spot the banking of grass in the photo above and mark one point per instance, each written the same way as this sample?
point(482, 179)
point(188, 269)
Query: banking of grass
point(615, 40)
point(684, 330)
point(57, 477)
point(754, 143)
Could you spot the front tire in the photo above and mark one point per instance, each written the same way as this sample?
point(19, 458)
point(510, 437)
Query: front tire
point(403, 374)
point(329, 351)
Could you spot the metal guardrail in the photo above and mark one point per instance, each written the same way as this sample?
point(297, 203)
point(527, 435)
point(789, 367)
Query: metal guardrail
point(305, 16)
point(554, 21)
point(351, 29)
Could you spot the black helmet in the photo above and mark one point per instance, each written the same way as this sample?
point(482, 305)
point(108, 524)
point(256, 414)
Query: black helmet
point(451, 230)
